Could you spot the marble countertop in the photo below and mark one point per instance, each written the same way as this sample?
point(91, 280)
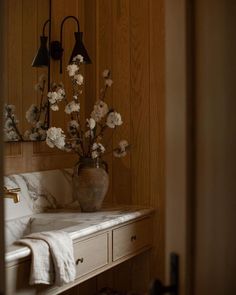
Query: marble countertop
point(77, 224)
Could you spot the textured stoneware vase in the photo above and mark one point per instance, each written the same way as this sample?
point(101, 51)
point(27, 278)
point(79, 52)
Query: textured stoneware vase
point(90, 184)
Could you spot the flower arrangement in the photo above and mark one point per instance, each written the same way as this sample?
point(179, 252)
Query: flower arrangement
point(87, 141)
point(10, 129)
point(36, 116)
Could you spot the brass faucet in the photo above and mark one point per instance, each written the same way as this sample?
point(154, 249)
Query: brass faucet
point(12, 193)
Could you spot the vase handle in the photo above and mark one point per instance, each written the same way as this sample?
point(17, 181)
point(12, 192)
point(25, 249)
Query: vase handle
point(105, 166)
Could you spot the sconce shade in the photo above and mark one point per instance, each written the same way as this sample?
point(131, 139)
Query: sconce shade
point(42, 57)
point(79, 48)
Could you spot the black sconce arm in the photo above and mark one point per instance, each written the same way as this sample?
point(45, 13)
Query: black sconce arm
point(56, 49)
point(44, 26)
point(62, 24)
point(61, 33)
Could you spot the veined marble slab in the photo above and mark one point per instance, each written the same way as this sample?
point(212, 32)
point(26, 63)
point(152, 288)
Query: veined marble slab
point(77, 224)
point(39, 191)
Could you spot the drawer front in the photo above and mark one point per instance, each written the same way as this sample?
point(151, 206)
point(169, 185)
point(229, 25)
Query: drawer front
point(131, 238)
point(91, 254)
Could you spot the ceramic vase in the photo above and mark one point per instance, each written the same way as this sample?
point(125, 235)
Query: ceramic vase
point(90, 183)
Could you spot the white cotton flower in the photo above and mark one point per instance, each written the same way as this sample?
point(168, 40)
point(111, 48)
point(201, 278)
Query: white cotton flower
point(123, 144)
point(61, 93)
point(55, 107)
point(113, 120)
point(32, 114)
point(94, 154)
point(79, 57)
point(56, 96)
point(106, 73)
point(91, 123)
point(9, 109)
point(108, 82)
point(11, 136)
point(100, 110)
point(73, 127)
point(79, 79)
point(8, 125)
point(72, 107)
point(101, 148)
point(121, 150)
point(72, 69)
point(98, 147)
point(52, 97)
point(55, 137)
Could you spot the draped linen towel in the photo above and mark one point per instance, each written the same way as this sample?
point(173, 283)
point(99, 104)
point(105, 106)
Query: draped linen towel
point(52, 257)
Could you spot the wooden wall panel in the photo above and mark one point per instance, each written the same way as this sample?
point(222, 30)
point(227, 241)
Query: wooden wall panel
point(157, 133)
point(104, 56)
point(129, 38)
point(139, 16)
point(126, 36)
point(121, 98)
point(14, 63)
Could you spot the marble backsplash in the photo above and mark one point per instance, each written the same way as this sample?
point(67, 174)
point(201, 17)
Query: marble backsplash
point(39, 191)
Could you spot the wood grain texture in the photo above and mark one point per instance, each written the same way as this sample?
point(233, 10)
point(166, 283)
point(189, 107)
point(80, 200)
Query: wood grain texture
point(157, 133)
point(140, 100)
point(126, 36)
point(104, 56)
point(121, 98)
point(129, 39)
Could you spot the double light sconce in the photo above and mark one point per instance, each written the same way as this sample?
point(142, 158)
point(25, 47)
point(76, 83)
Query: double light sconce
point(55, 49)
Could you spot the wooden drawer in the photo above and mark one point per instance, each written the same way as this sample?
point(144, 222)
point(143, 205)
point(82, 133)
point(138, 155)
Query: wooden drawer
point(131, 238)
point(91, 254)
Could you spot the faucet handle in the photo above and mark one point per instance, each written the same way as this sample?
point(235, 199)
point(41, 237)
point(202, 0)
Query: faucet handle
point(11, 190)
point(12, 193)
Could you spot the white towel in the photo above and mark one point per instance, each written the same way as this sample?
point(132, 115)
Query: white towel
point(52, 257)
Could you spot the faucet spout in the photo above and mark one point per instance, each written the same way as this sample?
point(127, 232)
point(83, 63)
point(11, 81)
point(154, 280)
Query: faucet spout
point(12, 193)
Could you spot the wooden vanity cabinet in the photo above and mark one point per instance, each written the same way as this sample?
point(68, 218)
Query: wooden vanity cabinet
point(93, 255)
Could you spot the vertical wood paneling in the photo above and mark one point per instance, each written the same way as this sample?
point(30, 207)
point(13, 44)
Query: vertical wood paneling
point(137, 60)
point(136, 38)
point(121, 98)
point(157, 136)
point(14, 65)
point(29, 46)
point(139, 95)
point(90, 38)
point(105, 55)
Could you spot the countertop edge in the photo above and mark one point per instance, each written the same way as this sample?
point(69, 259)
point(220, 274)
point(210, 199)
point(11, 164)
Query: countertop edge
point(23, 252)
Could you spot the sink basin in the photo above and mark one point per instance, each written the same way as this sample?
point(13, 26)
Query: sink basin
point(18, 228)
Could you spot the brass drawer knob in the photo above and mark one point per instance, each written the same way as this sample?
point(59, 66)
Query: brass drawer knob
point(79, 260)
point(133, 238)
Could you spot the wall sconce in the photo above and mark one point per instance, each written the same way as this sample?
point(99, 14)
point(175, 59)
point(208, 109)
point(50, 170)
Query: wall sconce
point(79, 48)
point(56, 49)
point(41, 58)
